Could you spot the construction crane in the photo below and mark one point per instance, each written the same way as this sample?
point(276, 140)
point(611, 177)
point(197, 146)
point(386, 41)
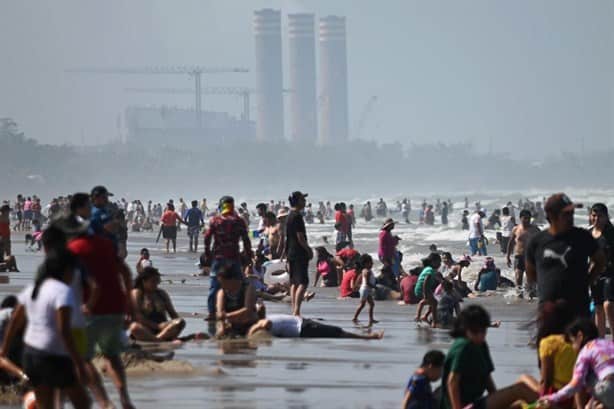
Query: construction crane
point(195, 71)
point(241, 91)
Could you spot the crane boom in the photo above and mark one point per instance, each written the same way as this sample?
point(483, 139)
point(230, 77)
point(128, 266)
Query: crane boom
point(195, 71)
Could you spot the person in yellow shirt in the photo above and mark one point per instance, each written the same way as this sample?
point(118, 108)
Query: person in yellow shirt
point(556, 354)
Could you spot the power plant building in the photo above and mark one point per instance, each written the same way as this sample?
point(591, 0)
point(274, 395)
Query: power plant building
point(269, 76)
point(333, 96)
point(302, 68)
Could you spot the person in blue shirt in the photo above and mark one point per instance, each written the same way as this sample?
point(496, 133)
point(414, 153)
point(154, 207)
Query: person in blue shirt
point(194, 219)
point(418, 394)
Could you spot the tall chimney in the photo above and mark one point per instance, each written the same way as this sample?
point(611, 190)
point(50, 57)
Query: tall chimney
point(333, 97)
point(269, 77)
point(301, 47)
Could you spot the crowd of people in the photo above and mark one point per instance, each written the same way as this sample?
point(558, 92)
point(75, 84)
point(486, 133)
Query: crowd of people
point(84, 297)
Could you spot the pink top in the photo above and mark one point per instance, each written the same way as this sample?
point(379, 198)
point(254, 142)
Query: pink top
point(387, 245)
point(27, 205)
point(323, 268)
point(597, 357)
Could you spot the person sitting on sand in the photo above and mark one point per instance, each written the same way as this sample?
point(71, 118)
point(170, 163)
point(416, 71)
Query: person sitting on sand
point(235, 304)
point(418, 394)
point(448, 306)
point(326, 268)
point(488, 277)
point(556, 354)
point(592, 371)
point(291, 326)
point(469, 364)
point(408, 286)
point(151, 305)
point(350, 283)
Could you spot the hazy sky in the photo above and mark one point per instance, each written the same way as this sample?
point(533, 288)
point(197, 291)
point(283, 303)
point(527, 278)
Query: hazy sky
point(531, 74)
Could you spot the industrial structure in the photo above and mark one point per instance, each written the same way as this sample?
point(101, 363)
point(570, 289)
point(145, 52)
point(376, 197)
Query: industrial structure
point(269, 75)
point(155, 126)
point(325, 94)
point(302, 69)
point(333, 81)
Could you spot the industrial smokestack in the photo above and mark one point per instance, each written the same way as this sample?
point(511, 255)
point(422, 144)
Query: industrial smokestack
point(333, 96)
point(301, 47)
point(269, 77)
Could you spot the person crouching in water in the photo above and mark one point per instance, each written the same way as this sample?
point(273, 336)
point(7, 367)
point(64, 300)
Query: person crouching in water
point(366, 288)
point(236, 303)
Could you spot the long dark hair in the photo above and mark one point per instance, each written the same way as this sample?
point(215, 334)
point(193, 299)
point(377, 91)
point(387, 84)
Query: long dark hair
point(56, 264)
point(472, 318)
point(586, 326)
point(147, 273)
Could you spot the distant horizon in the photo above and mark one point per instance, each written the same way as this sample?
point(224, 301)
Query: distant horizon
point(532, 77)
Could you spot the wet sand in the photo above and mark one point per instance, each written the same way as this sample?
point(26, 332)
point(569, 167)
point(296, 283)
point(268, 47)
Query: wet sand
point(292, 373)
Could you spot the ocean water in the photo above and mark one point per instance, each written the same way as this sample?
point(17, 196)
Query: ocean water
point(294, 373)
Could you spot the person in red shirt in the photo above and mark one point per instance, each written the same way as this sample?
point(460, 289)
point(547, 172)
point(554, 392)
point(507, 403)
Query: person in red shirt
point(408, 284)
point(226, 230)
point(342, 223)
point(105, 313)
point(169, 220)
point(349, 284)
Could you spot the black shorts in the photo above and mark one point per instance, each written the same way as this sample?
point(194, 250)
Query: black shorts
point(314, 329)
point(603, 290)
point(169, 232)
point(299, 272)
point(519, 263)
point(44, 369)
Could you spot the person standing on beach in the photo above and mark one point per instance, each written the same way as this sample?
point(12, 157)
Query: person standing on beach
point(476, 233)
point(169, 221)
point(387, 247)
point(194, 220)
point(558, 259)
point(105, 316)
point(226, 230)
point(602, 290)
point(519, 238)
point(298, 251)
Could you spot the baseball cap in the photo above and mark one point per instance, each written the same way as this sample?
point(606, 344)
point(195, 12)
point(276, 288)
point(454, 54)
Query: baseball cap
point(560, 202)
point(100, 190)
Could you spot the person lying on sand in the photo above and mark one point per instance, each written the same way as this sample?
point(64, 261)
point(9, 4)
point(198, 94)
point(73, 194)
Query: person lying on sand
point(290, 326)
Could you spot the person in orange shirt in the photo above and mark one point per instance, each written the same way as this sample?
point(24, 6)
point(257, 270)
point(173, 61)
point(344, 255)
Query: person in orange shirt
point(169, 221)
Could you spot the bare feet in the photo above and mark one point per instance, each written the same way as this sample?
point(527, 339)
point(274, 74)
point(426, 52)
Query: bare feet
point(378, 335)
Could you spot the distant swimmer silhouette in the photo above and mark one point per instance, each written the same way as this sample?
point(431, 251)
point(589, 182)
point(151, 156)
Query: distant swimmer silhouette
point(549, 253)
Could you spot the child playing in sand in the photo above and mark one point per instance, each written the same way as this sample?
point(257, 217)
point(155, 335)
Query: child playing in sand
point(448, 306)
point(425, 287)
point(418, 394)
point(595, 358)
point(366, 288)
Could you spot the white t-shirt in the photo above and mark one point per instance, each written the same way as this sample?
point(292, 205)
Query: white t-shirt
point(506, 226)
point(285, 326)
point(475, 226)
point(42, 328)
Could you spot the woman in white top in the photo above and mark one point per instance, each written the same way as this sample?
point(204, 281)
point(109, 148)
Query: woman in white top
point(51, 359)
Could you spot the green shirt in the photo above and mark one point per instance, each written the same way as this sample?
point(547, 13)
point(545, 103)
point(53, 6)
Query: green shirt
point(474, 365)
point(426, 273)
